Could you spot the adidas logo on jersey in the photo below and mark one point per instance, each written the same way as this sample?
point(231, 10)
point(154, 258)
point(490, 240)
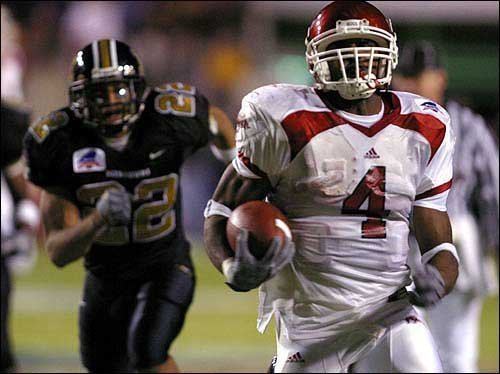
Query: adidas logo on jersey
point(297, 357)
point(371, 154)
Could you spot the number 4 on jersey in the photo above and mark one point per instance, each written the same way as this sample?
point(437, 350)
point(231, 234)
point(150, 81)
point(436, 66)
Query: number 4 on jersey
point(371, 187)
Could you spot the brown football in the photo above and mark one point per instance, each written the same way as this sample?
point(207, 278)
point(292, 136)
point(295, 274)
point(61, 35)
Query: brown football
point(263, 222)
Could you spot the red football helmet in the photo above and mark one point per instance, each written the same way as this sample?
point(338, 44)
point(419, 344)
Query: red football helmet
point(351, 48)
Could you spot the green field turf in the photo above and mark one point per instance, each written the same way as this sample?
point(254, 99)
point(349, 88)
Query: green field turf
point(219, 334)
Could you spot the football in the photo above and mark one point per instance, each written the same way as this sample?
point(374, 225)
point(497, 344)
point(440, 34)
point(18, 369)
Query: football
point(262, 220)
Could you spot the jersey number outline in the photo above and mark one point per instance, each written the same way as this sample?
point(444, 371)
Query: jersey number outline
point(371, 187)
point(143, 228)
point(176, 98)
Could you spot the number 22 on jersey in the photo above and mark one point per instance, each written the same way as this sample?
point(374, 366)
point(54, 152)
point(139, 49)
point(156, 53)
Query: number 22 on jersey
point(371, 187)
point(143, 228)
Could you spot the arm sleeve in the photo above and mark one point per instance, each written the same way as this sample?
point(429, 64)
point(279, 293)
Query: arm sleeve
point(185, 110)
point(263, 150)
point(197, 132)
point(43, 151)
point(438, 174)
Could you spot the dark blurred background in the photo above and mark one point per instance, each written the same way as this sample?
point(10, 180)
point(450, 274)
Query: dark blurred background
point(228, 48)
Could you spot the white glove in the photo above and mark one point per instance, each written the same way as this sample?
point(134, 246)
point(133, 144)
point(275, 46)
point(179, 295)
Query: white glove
point(22, 242)
point(429, 286)
point(25, 255)
point(244, 272)
point(115, 207)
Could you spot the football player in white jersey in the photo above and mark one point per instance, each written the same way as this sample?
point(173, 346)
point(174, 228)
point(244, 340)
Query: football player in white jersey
point(352, 165)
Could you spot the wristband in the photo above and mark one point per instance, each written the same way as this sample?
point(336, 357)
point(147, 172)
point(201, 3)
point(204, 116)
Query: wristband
point(224, 155)
point(214, 208)
point(28, 213)
point(427, 256)
point(225, 266)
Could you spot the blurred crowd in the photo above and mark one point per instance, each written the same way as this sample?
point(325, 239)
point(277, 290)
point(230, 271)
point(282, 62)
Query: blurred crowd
point(196, 42)
point(224, 48)
point(200, 42)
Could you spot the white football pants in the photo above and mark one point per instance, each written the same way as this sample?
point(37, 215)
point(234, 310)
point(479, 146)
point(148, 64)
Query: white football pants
point(405, 347)
point(454, 323)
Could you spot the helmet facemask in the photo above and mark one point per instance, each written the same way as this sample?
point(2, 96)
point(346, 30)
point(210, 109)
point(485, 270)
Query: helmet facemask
point(108, 88)
point(356, 72)
point(111, 105)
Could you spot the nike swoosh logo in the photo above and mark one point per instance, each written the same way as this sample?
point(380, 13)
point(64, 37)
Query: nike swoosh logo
point(156, 154)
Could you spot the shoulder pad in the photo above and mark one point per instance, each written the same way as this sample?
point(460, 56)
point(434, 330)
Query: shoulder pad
point(175, 98)
point(47, 124)
point(279, 99)
point(176, 87)
point(273, 92)
point(411, 103)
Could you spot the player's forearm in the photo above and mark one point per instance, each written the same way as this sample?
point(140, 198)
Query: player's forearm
point(432, 229)
point(222, 129)
point(223, 141)
point(216, 244)
point(447, 266)
point(69, 244)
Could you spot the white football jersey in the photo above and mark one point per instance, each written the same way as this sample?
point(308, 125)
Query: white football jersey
point(348, 188)
point(8, 224)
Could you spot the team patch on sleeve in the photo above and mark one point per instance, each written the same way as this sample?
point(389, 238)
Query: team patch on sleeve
point(429, 105)
point(44, 126)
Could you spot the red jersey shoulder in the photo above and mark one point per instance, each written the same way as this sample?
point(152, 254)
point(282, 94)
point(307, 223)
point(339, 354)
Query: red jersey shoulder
point(425, 117)
point(412, 104)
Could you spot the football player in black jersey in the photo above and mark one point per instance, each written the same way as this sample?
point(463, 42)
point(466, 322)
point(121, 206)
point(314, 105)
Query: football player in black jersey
point(20, 217)
point(114, 156)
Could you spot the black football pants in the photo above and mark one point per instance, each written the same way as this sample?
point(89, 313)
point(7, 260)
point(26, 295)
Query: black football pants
point(128, 325)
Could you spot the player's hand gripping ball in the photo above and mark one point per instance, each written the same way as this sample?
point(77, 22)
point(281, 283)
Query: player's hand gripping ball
point(263, 221)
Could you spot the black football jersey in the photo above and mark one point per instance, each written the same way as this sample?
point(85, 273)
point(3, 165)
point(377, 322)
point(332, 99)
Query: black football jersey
point(63, 153)
point(15, 123)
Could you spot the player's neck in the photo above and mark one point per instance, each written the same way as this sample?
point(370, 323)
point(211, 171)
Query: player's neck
point(118, 144)
point(362, 107)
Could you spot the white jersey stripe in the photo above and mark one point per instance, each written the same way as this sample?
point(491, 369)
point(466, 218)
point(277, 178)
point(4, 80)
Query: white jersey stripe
point(95, 55)
point(114, 56)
